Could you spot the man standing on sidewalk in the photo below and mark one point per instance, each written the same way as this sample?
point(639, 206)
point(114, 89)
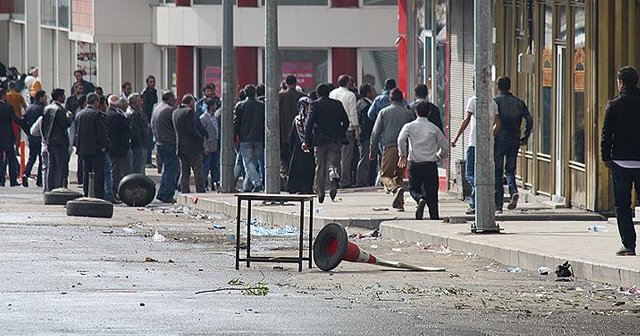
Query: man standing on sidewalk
point(92, 144)
point(248, 123)
point(120, 137)
point(367, 92)
point(620, 151)
point(349, 102)
point(326, 130)
point(288, 111)
point(508, 140)
point(55, 124)
point(387, 127)
point(190, 144)
point(149, 100)
point(139, 133)
point(34, 111)
point(165, 135)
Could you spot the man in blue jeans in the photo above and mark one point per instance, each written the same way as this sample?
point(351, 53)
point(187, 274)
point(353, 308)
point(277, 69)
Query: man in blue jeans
point(248, 124)
point(620, 151)
point(511, 110)
point(165, 135)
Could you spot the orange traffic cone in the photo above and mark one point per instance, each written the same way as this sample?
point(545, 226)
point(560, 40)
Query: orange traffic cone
point(332, 247)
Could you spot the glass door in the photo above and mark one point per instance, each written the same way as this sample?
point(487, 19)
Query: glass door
point(561, 57)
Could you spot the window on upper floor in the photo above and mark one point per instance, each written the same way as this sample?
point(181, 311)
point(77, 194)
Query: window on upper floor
point(54, 13)
point(17, 10)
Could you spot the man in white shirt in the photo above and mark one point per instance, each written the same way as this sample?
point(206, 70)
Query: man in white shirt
point(426, 146)
point(348, 100)
point(471, 150)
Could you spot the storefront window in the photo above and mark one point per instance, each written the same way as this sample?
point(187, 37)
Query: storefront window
point(171, 69)
point(378, 65)
point(423, 12)
point(209, 69)
point(301, 3)
point(17, 10)
point(380, 2)
point(63, 13)
point(86, 60)
point(547, 81)
point(48, 10)
point(309, 66)
point(579, 65)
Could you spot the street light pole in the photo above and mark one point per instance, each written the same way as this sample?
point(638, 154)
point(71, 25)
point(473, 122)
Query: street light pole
point(272, 83)
point(484, 166)
point(227, 136)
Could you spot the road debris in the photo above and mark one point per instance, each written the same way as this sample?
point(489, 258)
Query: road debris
point(128, 231)
point(258, 289)
point(564, 270)
point(149, 259)
point(544, 270)
point(514, 269)
point(219, 226)
point(158, 238)
point(261, 230)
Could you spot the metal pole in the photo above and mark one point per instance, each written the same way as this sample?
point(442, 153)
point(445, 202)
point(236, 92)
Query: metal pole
point(272, 83)
point(92, 181)
point(227, 147)
point(484, 166)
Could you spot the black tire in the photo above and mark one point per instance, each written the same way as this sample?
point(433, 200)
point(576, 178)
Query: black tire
point(60, 196)
point(137, 190)
point(89, 207)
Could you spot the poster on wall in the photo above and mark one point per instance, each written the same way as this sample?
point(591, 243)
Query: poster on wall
point(302, 70)
point(86, 60)
point(213, 74)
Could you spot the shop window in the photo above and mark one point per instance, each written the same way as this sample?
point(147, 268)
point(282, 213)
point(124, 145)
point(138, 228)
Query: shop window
point(378, 65)
point(209, 69)
point(309, 66)
point(379, 2)
point(547, 81)
point(48, 9)
point(301, 3)
point(17, 10)
point(63, 13)
point(172, 79)
point(579, 67)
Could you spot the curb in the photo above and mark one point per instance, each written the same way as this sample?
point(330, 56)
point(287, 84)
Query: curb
point(524, 259)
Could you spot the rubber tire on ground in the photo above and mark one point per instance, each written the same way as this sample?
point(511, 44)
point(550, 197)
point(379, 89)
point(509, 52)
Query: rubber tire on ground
point(60, 196)
point(89, 207)
point(331, 236)
point(137, 190)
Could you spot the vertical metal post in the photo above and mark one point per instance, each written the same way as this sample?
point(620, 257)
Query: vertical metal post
point(92, 181)
point(272, 83)
point(228, 154)
point(484, 164)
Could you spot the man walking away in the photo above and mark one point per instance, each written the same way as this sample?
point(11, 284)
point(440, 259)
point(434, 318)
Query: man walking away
point(190, 145)
point(7, 117)
point(120, 137)
point(620, 151)
point(508, 141)
point(367, 94)
point(349, 102)
point(387, 127)
point(92, 144)
point(288, 111)
point(421, 91)
point(248, 123)
point(165, 135)
point(426, 146)
point(55, 123)
point(34, 111)
point(382, 100)
point(326, 130)
point(139, 133)
point(211, 153)
point(149, 100)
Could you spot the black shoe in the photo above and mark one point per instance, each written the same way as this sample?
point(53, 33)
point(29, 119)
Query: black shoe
point(14, 183)
point(470, 211)
point(39, 184)
point(333, 191)
point(514, 201)
point(626, 252)
point(398, 201)
point(258, 189)
point(150, 165)
point(321, 197)
point(25, 182)
point(420, 209)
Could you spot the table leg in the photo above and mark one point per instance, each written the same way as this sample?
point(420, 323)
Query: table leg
point(311, 233)
point(301, 247)
point(248, 232)
point(239, 212)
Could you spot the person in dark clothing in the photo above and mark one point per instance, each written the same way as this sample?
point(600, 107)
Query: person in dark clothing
point(288, 110)
point(165, 135)
point(139, 133)
point(74, 104)
point(34, 111)
point(7, 139)
point(620, 152)
point(190, 145)
point(260, 92)
point(88, 86)
point(208, 92)
point(512, 110)
point(149, 100)
point(421, 91)
point(120, 142)
point(302, 168)
point(326, 130)
point(368, 93)
point(248, 124)
point(92, 144)
point(55, 124)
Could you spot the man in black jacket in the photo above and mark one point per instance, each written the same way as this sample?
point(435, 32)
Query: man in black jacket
point(92, 144)
point(248, 123)
point(149, 100)
point(325, 130)
point(34, 111)
point(139, 133)
point(620, 151)
point(190, 145)
point(367, 94)
point(7, 139)
point(120, 137)
point(55, 123)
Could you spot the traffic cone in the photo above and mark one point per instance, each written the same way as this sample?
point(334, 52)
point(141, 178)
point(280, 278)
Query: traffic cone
point(332, 246)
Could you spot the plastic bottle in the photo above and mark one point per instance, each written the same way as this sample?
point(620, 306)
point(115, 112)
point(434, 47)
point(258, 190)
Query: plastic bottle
point(598, 228)
point(514, 269)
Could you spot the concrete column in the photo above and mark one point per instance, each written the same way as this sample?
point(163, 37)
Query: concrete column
point(32, 34)
point(65, 61)
point(129, 65)
point(152, 63)
point(344, 61)
point(248, 72)
point(184, 70)
point(116, 68)
point(402, 45)
point(104, 66)
point(46, 59)
point(16, 40)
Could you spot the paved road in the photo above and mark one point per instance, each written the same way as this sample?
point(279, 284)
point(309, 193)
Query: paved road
point(61, 275)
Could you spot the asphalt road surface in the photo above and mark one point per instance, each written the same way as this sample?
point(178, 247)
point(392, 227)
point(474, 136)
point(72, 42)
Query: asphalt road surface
point(82, 276)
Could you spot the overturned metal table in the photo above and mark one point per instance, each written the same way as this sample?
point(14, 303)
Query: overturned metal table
point(274, 198)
